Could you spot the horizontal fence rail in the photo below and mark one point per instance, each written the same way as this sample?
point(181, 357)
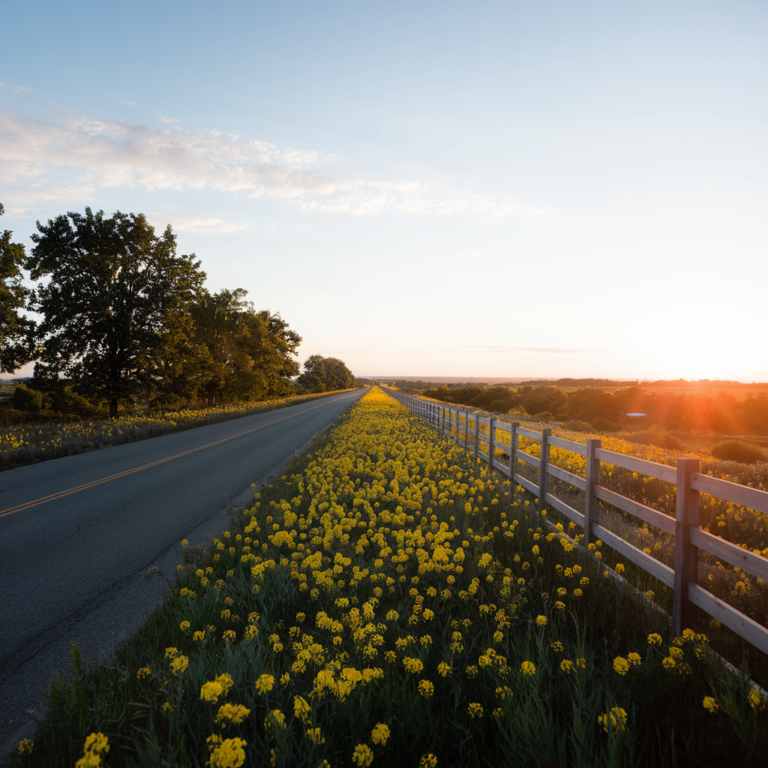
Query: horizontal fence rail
point(483, 436)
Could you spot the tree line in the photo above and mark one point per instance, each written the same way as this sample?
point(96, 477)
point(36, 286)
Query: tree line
point(124, 318)
point(608, 411)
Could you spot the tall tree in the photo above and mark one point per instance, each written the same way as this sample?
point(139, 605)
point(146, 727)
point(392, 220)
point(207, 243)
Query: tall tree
point(325, 374)
point(114, 291)
point(250, 353)
point(15, 329)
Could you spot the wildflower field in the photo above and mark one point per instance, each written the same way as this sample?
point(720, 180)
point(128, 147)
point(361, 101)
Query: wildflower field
point(28, 444)
point(390, 602)
point(739, 525)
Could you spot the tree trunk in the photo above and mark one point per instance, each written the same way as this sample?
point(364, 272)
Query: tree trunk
point(113, 408)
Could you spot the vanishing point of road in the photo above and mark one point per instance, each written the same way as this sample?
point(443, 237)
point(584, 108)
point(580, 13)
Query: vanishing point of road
point(77, 533)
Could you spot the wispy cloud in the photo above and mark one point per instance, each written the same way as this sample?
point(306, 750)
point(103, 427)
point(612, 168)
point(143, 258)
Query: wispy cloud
point(196, 224)
point(109, 153)
point(26, 200)
point(15, 89)
point(13, 213)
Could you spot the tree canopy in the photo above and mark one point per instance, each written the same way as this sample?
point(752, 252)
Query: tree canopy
point(325, 374)
point(249, 353)
point(114, 305)
point(126, 319)
point(15, 329)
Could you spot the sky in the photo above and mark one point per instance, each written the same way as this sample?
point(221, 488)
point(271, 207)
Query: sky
point(550, 189)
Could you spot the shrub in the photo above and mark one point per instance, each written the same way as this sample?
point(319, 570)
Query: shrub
point(578, 426)
point(518, 410)
point(10, 417)
point(545, 416)
point(29, 400)
point(605, 425)
point(65, 400)
point(735, 450)
point(660, 439)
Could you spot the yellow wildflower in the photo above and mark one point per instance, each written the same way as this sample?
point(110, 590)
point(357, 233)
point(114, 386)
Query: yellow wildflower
point(528, 668)
point(232, 713)
point(620, 665)
point(362, 756)
point(25, 747)
point(265, 683)
point(614, 721)
point(227, 753)
point(380, 734)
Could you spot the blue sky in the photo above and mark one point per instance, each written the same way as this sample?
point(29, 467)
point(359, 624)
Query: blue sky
point(494, 189)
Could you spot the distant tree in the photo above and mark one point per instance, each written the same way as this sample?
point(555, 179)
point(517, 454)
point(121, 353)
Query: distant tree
point(753, 412)
point(539, 399)
point(15, 329)
point(114, 304)
point(591, 403)
point(325, 374)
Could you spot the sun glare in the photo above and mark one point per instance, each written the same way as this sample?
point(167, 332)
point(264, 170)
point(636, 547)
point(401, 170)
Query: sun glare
point(703, 349)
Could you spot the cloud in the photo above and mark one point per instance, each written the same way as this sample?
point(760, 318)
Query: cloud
point(16, 89)
point(196, 224)
point(110, 153)
point(13, 213)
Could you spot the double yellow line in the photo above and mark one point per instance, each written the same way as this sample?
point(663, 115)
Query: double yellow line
point(86, 486)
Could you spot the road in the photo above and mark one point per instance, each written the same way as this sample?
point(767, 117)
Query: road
point(76, 533)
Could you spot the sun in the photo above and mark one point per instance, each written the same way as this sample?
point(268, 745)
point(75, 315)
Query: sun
point(685, 349)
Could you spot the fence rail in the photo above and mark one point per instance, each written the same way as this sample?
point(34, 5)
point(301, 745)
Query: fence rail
point(475, 432)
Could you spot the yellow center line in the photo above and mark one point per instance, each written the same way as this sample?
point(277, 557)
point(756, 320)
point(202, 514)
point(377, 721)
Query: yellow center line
point(86, 486)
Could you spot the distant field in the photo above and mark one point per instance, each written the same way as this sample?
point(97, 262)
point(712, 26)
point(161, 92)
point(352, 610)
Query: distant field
point(737, 390)
point(454, 379)
point(6, 391)
point(709, 389)
point(706, 389)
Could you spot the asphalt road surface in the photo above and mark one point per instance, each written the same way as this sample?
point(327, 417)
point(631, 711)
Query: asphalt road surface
point(77, 535)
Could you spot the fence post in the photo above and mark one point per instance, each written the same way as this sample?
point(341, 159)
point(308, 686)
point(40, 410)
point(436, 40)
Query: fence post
point(466, 430)
point(477, 434)
point(686, 555)
point(591, 505)
point(513, 452)
point(491, 441)
point(543, 461)
point(457, 426)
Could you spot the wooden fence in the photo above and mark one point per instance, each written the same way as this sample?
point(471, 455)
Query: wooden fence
point(484, 435)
